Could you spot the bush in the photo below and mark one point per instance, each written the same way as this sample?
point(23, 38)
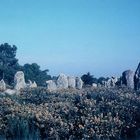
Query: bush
point(71, 114)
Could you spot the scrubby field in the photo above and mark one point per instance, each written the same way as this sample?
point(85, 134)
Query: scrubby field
point(98, 114)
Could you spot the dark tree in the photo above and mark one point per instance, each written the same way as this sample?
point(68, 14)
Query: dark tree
point(34, 73)
point(101, 79)
point(88, 79)
point(8, 62)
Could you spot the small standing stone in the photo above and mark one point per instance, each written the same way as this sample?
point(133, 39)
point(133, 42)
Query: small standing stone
point(62, 82)
point(79, 83)
point(94, 85)
point(2, 85)
point(19, 81)
point(71, 82)
point(33, 85)
point(51, 85)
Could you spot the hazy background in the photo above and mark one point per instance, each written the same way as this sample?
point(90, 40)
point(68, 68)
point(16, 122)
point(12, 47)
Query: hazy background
point(74, 36)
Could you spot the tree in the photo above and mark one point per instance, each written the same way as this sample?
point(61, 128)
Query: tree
point(8, 62)
point(88, 79)
point(32, 72)
point(101, 79)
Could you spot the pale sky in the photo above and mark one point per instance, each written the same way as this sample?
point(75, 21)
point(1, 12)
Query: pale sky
point(74, 36)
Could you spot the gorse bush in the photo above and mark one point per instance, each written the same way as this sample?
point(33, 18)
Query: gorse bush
point(71, 114)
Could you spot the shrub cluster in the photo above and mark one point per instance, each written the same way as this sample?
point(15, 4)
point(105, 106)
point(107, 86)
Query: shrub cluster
point(102, 114)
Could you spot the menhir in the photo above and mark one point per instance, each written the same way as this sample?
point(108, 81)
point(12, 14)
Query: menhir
point(137, 78)
point(128, 79)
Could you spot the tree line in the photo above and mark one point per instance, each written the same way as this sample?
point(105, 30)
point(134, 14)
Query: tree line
point(9, 65)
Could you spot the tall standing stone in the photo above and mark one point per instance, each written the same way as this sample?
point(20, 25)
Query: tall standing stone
point(62, 82)
point(79, 83)
point(128, 79)
point(19, 81)
point(137, 78)
point(2, 85)
point(71, 82)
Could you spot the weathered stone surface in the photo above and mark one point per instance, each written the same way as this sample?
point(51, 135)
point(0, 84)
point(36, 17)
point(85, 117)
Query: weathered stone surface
point(31, 84)
point(128, 79)
point(10, 91)
point(2, 85)
point(62, 82)
point(71, 82)
point(137, 78)
point(114, 81)
point(51, 85)
point(19, 80)
point(99, 85)
point(94, 85)
point(34, 85)
point(111, 82)
point(79, 83)
point(103, 83)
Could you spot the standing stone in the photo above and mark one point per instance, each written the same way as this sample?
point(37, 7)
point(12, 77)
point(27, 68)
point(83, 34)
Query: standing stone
point(2, 85)
point(94, 85)
point(128, 79)
point(99, 85)
point(71, 82)
point(137, 78)
point(79, 83)
point(33, 85)
point(103, 83)
point(110, 82)
point(30, 82)
point(51, 85)
point(10, 91)
point(114, 81)
point(19, 81)
point(62, 82)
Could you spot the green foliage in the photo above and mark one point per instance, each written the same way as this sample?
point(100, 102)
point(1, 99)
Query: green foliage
point(100, 114)
point(34, 73)
point(88, 79)
point(101, 79)
point(9, 66)
point(8, 62)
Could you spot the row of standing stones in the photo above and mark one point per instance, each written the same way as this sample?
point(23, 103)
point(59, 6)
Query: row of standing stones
point(62, 82)
point(19, 83)
point(128, 78)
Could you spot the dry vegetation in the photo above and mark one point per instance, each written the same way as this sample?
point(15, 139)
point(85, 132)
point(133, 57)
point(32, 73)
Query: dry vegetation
point(102, 114)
